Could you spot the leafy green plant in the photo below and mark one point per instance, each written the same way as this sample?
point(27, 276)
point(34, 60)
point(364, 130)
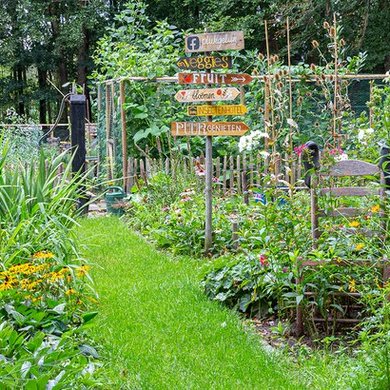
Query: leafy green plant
point(37, 207)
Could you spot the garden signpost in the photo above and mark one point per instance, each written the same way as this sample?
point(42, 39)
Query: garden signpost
point(232, 40)
point(205, 62)
point(214, 78)
point(206, 95)
point(234, 109)
point(208, 128)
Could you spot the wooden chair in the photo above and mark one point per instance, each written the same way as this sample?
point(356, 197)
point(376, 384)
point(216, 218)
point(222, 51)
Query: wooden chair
point(315, 179)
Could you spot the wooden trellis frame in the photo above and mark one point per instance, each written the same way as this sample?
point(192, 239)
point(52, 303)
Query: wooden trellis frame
point(266, 79)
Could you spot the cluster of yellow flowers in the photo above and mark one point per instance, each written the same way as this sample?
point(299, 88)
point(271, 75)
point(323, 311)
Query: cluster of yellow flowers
point(31, 276)
point(43, 255)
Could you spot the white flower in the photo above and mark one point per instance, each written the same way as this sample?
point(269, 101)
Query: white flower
point(292, 123)
point(341, 157)
point(248, 142)
point(363, 134)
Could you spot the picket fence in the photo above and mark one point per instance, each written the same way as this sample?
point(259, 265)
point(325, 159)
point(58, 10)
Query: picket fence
point(236, 174)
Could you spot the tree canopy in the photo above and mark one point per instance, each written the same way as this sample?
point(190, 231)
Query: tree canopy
point(46, 43)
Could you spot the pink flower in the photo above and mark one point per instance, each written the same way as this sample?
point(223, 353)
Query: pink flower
point(263, 260)
point(335, 152)
point(300, 149)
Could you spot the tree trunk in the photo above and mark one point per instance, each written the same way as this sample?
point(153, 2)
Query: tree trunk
point(20, 87)
point(42, 74)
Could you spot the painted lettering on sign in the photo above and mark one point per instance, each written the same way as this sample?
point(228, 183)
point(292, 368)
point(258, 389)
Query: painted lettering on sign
point(235, 109)
point(230, 40)
point(214, 78)
point(207, 95)
point(208, 128)
point(206, 62)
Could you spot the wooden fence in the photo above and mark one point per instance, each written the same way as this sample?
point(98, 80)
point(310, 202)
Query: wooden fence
point(237, 174)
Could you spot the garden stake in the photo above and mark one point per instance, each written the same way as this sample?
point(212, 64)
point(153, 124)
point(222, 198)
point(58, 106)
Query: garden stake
point(208, 239)
point(124, 134)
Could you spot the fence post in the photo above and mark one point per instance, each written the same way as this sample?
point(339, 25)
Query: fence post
point(77, 116)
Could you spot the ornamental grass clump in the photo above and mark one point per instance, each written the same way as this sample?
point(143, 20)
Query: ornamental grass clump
point(37, 207)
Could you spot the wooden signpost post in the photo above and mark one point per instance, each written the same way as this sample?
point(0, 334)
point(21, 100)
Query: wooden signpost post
point(231, 40)
point(214, 78)
point(234, 109)
point(206, 95)
point(205, 62)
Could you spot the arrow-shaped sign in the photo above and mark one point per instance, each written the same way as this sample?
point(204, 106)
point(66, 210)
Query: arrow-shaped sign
point(207, 95)
point(234, 109)
point(214, 78)
point(208, 128)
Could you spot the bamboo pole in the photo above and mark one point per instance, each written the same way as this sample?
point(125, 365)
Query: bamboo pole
point(108, 120)
point(335, 111)
point(224, 185)
point(289, 83)
point(268, 79)
point(371, 114)
point(124, 134)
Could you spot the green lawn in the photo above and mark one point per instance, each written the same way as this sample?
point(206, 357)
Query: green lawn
point(158, 330)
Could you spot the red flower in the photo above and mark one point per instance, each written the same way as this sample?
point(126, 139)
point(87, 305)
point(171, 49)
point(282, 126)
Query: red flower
point(263, 260)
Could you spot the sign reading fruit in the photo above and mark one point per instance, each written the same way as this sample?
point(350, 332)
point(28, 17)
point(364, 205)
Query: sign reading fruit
point(206, 95)
point(214, 78)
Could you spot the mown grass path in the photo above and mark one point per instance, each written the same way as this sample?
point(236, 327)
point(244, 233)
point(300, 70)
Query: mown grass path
point(158, 329)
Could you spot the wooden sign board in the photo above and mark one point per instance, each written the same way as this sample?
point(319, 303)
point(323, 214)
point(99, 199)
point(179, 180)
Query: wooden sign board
point(230, 40)
point(206, 95)
point(208, 128)
point(235, 109)
point(206, 62)
point(214, 78)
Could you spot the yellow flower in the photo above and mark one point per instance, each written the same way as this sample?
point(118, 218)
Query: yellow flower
point(43, 255)
point(359, 247)
point(354, 224)
point(82, 271)
point(375, 209)
point(70, 291)
point(352, 285)
point(64, 271)
point(54, 276)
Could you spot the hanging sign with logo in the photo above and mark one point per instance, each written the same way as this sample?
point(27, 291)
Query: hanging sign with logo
point(230, 40)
